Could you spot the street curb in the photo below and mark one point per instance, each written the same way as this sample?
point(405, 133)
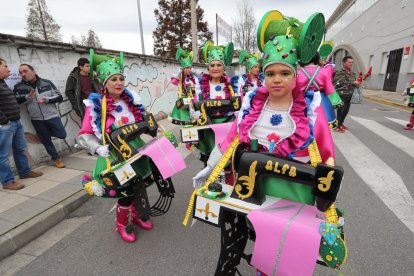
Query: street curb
point(386, 102)
point(39, 224)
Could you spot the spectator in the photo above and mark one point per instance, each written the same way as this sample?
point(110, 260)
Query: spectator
point(11, 136)
point(345, 82)
point(79, 85)
point(40, 96)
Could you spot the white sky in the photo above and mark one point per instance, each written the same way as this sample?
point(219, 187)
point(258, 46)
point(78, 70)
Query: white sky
point(116, 22)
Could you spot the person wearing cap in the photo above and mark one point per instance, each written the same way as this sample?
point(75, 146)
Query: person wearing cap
point(214, 85)
point(115, 107)
point(185, 80)
point(275, 119)
point(276, 114)
point(122, 107)
point(252, 79)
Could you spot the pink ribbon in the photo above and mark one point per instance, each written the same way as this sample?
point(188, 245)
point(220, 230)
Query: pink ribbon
point(164, 155)
point(220, 131)
point(287, 238)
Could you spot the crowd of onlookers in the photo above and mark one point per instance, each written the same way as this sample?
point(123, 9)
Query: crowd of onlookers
point(40, 96)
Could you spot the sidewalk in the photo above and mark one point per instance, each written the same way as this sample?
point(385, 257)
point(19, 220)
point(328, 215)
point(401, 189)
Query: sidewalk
point(27, 213)
point(45, 201)
point(385, 97)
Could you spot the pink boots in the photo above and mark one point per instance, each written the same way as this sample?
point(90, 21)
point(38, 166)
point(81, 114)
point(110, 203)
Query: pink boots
point(410, 125)
point(124, 216)
point(146, 225)
point(123, 225)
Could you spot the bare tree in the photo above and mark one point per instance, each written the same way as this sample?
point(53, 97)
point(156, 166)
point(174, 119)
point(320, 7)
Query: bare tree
point(91, 39)
point(74, 40)
point(244, 26)
point(40, 24)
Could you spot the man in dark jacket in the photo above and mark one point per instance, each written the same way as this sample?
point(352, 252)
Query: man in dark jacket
point(40, 96)
point(11, 136)
point(79, 85)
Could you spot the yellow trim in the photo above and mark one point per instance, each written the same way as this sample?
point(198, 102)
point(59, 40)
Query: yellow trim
point(103, 125)
point(231, 90)
point(180, 88)
point(314, 155)
point(226, 203)
point(273, 15)
point(213, 176)
point(315, 158)
point(249, 181)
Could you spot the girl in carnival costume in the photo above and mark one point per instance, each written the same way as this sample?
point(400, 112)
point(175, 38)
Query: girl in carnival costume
point(277, 116)
point(315, 82)
point(410, 92)
point(252, 79)
point(185, 80)
point(214, 85)
point(116, 107)
point(324, 51)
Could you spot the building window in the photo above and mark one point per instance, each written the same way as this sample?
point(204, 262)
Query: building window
point(384, 63)
point(371, 60)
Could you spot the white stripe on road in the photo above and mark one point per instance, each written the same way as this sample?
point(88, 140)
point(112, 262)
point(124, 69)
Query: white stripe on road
point(398, 121)
point(395, 138)
point(382, 179)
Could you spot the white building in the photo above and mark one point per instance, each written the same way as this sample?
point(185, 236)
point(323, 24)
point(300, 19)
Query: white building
point(377, 33)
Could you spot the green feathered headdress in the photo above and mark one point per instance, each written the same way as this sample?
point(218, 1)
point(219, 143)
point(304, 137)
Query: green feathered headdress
point(250, 59)
point(220, 53)
point(286, 40)
point(185, 58)
point(105, 66)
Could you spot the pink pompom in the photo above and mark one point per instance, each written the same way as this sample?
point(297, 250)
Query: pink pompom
point(175, 81)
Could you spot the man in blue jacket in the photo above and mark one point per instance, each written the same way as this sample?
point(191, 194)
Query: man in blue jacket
point(40, 96)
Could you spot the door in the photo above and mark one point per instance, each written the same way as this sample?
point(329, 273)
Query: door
point(393, 70)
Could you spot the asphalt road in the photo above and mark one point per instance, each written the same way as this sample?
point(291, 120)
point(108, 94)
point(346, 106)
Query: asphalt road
point(376, 197)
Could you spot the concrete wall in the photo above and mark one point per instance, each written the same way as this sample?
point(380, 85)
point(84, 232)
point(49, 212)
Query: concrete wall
point(149, 76)
point(387, 25)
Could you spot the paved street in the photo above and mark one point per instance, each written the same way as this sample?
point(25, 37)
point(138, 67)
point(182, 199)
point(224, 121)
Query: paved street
point(377, 197)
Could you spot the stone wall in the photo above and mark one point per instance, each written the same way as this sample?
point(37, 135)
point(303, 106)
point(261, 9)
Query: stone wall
point(148, 75)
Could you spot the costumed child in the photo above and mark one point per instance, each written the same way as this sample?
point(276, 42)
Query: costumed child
point(315, 82)
point(117, 110)
point(410, 93)
point(252, 79)
point(214, 85)
point(325, 50)
point(185, 80)
point(280, 121)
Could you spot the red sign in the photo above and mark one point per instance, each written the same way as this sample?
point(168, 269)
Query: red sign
point(406, 52)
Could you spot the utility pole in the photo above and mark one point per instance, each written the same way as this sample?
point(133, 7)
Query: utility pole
point(140, 28)
point(194, 29)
